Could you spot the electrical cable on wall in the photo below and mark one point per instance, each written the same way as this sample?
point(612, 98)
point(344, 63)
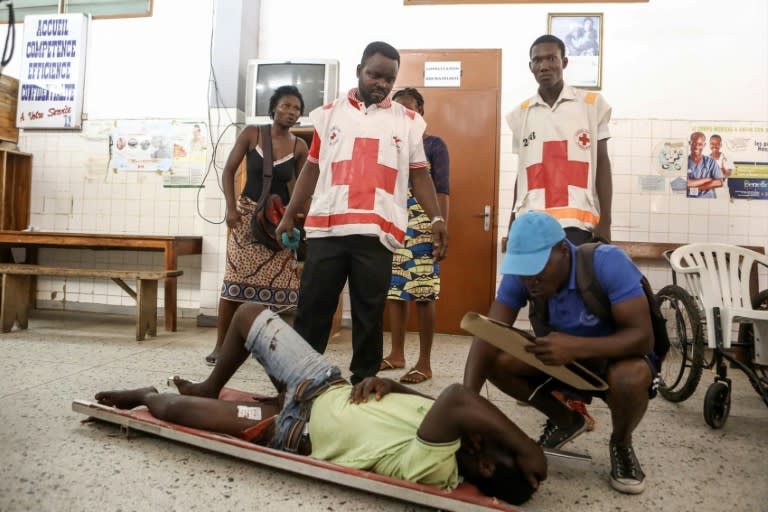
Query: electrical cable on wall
point(10, 38)
point(218, 104)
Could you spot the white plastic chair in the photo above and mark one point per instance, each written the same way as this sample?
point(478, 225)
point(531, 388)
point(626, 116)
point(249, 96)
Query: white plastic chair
point(718, 274)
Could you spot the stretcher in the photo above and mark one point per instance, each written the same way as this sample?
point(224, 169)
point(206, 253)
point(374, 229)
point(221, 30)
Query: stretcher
point(465, 498)
point(513, 341)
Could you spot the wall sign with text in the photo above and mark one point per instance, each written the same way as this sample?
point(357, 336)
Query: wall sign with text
point(51, 83)
point(442, 74)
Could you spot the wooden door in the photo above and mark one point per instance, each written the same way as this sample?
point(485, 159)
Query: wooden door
point(468, 119)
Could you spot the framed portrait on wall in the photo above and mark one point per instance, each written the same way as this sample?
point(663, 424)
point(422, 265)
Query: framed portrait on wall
point(582, 34)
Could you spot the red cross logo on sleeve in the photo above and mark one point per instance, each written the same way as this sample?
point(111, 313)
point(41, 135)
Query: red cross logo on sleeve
point(364, 174)
point(583, 139)
point(556, 173)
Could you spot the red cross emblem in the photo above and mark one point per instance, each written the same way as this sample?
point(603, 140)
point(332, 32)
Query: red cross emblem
point(556, 173)
point(583, 139)
point(364, 174)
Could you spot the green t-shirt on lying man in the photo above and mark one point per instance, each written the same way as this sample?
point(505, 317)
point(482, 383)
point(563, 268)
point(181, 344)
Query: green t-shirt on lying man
point(380, 436)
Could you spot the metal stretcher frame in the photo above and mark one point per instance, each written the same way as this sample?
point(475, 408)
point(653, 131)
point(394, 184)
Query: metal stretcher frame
point(465, 498)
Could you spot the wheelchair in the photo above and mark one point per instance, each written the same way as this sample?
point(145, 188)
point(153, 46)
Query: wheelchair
point(718, 275)
point(687, 358)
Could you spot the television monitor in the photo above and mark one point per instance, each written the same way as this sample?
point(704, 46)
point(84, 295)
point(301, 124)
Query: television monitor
point(316, 79)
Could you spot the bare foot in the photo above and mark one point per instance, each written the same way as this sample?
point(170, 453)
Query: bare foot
point(126, 398)
point(189, 388)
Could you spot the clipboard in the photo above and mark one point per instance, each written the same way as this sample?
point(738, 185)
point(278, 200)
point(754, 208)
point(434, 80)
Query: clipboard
point(513, 341)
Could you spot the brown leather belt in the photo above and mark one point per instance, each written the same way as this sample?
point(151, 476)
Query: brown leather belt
point(297, 441)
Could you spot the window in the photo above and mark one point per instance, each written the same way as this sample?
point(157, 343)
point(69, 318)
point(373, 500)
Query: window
point(96, 8)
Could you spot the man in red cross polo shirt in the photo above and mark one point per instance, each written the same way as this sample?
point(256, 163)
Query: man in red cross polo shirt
point(561, 138)
point(364, 151)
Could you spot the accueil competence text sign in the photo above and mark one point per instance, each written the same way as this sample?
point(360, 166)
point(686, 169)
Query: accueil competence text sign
point(52, 71)
point(442, 74)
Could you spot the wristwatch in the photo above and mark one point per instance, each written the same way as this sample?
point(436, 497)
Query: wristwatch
point(436, 218)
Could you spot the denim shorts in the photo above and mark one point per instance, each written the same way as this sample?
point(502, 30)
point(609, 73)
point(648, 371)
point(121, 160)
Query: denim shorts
point(289, 360)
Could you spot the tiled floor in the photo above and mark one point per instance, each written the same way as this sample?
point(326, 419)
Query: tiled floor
point(52, 462)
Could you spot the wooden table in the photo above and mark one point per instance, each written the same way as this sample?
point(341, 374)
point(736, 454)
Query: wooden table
point(171, 246)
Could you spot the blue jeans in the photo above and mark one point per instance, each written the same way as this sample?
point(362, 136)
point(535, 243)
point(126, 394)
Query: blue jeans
point(289, 360)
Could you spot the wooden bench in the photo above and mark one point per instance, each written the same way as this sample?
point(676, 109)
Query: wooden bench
point(16, 299)
point(172, 246)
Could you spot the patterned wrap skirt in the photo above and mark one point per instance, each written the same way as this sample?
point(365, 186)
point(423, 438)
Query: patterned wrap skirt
point(254, 273)
point(415, 273)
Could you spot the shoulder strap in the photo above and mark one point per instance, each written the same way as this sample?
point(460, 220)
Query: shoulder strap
point(538, 315)
point(591, 291)
point(266, 149)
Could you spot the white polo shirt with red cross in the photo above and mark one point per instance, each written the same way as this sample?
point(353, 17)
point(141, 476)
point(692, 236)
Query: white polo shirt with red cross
point(365, 156)
point(557, 155)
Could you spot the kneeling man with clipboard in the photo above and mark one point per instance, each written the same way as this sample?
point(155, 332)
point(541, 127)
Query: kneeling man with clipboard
point(613, 361)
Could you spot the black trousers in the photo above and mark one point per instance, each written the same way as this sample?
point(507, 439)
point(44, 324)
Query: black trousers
point(330, 262)
point(578, 236)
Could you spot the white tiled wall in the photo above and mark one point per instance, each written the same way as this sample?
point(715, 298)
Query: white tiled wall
point(73, 190)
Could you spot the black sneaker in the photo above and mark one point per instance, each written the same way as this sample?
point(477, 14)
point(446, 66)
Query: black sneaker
point(626, 474)
point(555, 437)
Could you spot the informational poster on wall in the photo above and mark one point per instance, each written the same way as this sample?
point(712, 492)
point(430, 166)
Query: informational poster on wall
point(716, 161)
point(177, 150)
point(749, 180)
point(729, 160)
point(52, 76)
point(141, 146)
point(190, 148)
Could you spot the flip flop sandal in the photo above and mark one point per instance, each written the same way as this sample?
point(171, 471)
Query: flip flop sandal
point(414, 376)
point(210, 360)
point(386, 365)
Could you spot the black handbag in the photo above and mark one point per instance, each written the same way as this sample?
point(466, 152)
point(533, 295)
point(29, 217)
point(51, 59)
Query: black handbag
point(269, 208)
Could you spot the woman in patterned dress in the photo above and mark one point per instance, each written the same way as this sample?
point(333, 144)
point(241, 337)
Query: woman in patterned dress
point(255, 273)
point(415, 273)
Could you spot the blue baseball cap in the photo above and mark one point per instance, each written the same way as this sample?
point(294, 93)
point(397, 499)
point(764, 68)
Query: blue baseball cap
point(531, 238)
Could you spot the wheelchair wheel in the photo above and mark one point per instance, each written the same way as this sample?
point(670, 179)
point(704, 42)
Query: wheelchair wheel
point(681, 369)
point(717, 404)
point(747, 338)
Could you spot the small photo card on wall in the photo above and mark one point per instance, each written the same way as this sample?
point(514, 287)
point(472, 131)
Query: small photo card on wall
point(652, 183)
point(52, 71)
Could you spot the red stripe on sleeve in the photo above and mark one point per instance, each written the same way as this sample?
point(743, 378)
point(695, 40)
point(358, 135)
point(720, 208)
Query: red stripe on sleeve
point(314, 149)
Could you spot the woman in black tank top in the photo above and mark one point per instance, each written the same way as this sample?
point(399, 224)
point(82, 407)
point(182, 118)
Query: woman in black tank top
point(253, 272)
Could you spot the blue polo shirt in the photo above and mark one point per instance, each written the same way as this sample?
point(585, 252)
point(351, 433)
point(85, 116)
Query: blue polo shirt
point(617, 274)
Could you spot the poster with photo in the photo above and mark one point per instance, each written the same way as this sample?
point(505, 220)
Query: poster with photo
point(141, 146)
point(731, 161)
point(583, 37)
point(190, 153)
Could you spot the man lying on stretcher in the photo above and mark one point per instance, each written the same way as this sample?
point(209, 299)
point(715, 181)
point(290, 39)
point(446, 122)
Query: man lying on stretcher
point(378, 425)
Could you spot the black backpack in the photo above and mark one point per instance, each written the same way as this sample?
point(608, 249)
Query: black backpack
point(598, 303)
